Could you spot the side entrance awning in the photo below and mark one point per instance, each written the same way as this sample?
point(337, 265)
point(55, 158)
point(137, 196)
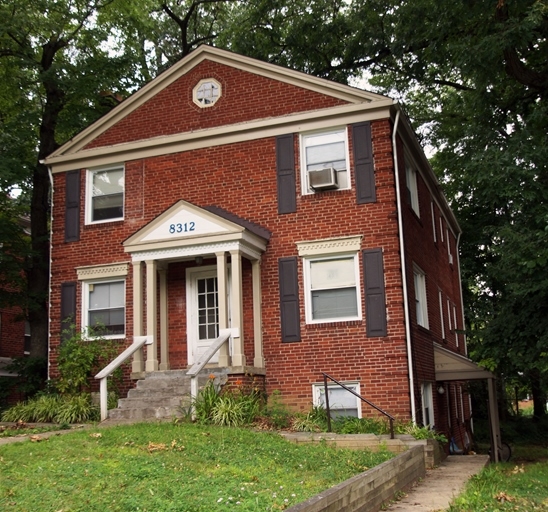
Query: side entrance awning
point(452, 366)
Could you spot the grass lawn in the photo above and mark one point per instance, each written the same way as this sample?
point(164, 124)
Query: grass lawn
point(170, 467)
point(519, 485)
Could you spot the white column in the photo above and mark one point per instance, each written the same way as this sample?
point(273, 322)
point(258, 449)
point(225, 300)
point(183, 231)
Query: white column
point(138, 363)
point(224, 357)
point(238, 357)
point(164, 349)
point(258, 359)
point(152, 350)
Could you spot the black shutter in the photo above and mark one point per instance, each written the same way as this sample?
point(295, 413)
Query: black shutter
point(285, 168)
point(68, 309)
point(375, 301)
point(72, 206)
point(289, 299)
point(363, 162)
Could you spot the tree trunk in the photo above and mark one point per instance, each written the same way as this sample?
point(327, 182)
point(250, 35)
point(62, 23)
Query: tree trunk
point(539, 394)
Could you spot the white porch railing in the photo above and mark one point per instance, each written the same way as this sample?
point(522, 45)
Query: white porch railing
point(107, 371)
point(224, 335)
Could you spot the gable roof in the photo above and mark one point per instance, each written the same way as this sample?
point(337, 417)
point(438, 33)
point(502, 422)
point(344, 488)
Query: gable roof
point(73, 151)
point(184, 226)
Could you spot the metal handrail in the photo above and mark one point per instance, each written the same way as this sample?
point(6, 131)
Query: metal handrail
point(327, 376)
point(138, 342)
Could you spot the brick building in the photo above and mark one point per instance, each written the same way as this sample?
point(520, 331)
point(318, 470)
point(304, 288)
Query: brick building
point(194, 207)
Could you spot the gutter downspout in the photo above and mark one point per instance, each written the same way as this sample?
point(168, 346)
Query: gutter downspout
point(403, 270)
point(50, 260)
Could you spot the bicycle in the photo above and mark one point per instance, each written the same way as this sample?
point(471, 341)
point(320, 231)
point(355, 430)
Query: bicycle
point(504, 451)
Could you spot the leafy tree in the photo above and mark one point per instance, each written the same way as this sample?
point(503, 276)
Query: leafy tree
point(473, 75)
point(63, 65)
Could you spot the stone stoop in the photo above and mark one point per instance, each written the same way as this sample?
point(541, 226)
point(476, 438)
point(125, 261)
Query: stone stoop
point(161, 395)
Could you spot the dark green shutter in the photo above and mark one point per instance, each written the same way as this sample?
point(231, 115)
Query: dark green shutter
point(363, 162)
point(68, 309)
point(72, 206)
point(285, 169)
point(289, 299)
point(375, 301)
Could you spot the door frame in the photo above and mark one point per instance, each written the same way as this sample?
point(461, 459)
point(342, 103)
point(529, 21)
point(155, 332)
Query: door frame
point(192, 276)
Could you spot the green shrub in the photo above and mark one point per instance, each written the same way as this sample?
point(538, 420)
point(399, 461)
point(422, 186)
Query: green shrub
point(54, 409)
point(276, 414)
point(227, 408)
point(228, 412)
point(204, 403)
point(352, 425)
point(81, 357)
point(77, 409)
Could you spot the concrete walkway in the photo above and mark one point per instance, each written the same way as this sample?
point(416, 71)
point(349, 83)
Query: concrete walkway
point(441, 484)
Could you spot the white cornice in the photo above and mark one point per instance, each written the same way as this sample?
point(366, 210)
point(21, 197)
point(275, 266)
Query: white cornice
point(102, 271)
point(329, 246)
point(227, 58)
point(158, 146)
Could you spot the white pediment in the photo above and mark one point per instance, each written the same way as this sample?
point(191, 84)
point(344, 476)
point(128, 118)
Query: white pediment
point(183, 221)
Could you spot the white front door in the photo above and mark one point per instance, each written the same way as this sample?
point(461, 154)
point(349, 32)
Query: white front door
point(202, 311)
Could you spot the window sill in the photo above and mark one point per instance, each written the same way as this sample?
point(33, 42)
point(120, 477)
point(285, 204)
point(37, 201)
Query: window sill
point(333, 323)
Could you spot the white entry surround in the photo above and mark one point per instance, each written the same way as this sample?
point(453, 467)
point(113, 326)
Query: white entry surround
point(186, 232)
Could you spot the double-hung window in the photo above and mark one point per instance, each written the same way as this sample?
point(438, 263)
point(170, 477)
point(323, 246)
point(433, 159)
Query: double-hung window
point(427, 405)
point(421, 308)
point(412, 190)
point(104, 308)
point(331, 279)
point(323, 151)
point(341, 402)
point(105, 194)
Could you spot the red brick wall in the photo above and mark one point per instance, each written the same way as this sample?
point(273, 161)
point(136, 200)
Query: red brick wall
point(241, 178)
point(12, 332)
point(245, 97)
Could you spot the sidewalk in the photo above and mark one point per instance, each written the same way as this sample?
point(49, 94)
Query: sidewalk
point(441, 484)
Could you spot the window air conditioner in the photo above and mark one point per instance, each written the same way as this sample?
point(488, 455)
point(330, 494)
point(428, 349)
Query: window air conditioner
point(323, 179)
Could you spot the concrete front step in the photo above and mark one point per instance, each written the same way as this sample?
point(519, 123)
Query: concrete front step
point(162, 394)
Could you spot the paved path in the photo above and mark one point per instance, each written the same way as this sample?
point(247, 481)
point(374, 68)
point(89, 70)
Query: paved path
point(441, 485)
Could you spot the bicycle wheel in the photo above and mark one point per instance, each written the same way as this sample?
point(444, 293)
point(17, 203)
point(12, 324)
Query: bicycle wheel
point(505, 452)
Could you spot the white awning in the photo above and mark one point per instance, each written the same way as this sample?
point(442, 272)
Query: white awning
point(452, 366)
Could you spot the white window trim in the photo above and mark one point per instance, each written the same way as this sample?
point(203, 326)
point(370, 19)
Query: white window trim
point(89, 189)
point(455, 324)
point(427, 401)
point(308, 299)
point(318, 388)
point(433, 221)
point(440, 295)
point(99, 274)
point(85, 307)
point(449, 254)
point(305, 189)
point(198, 85)
point(412, 186)
point(441, 229)
point(421, 297)
point(449, 315)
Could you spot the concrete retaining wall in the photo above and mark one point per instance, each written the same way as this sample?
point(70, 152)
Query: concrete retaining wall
point(433, 452)
point(371, 489)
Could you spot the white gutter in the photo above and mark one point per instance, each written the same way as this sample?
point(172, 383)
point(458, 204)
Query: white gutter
point(404, 271)
point(50, 259)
